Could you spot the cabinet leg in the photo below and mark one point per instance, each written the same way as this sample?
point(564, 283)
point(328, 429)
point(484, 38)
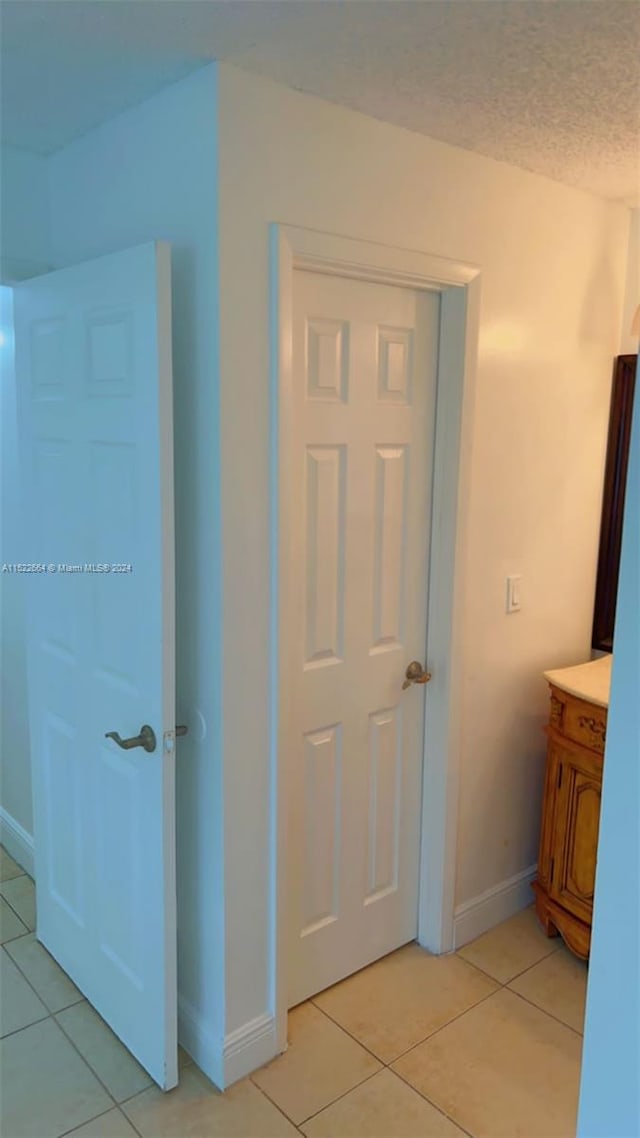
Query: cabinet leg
point(542, 914)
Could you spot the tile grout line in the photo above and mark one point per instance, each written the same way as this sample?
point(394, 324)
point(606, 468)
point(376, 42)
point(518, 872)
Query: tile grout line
point(361, 1083)
point(126, 1116)
point(435, 1105)
point(52, 1016)
point(10, 1034)
point(499, 986)
point(95, 1118)
point(81, 1124)
point(50, 1013)
point(97, 1076)
point(279, 1108)
point(95, 1073)
point(482, 971)
point(502, 986)
point(387, 1066)
point(153, 1084)
point(494, 979)
point(120, 1105)
point(84, 1060)
point(551, 952)
point(315, 1113)
point(544, 1012)
point(10, 939)
point(347, 1032)
point(344, 1094)
point(338, 1098)
point(21, 872)
point(437, 1030)
point(26, 979)
point(15, 911)
point(505, 985)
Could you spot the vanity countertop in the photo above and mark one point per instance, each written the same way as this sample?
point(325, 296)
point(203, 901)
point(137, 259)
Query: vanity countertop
point(590, 681)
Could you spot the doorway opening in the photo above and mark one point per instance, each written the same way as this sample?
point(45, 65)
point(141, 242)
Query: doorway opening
point(456, 288)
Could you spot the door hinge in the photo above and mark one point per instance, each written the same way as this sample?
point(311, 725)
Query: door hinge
point(559, 776)
point(553, 863)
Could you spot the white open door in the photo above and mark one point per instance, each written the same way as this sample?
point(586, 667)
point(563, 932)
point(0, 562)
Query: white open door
point(93, 366)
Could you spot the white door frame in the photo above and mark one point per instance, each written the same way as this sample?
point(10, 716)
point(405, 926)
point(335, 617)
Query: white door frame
point(458, 285)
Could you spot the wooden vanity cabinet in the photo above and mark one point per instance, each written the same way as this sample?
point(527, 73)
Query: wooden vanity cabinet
point(570, 819)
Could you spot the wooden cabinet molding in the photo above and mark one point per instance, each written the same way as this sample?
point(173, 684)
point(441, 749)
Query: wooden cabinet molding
point(570, 819)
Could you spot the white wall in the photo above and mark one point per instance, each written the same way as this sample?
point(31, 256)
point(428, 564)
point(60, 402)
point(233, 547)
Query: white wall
point(553, 264)
point(151, 174)
point(16, 820)
point(24, 214)
point(629, 343)
point(24, 252)
point(609, 1094)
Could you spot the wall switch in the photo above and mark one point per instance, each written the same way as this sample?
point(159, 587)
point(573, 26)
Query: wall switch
point(514, 594)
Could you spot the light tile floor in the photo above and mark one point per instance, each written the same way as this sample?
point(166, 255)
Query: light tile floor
point(484, 1043)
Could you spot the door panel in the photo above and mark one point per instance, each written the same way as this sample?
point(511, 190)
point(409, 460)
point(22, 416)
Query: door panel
point(389, 523)
point(364, 370)
point(385, 781)
point(325, 554)
point(585, 821)
point(321, 859)
point(93, 363)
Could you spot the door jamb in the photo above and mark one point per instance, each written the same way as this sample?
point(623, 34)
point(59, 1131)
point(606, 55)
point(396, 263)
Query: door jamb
point(458, 285)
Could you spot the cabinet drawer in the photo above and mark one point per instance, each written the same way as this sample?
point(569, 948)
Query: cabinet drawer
point(582, 722)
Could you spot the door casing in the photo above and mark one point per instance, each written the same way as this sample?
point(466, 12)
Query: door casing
point(458, 285)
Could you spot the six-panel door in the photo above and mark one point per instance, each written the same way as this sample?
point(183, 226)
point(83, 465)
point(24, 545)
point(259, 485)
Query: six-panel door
point(360, 462)
point(93, 363)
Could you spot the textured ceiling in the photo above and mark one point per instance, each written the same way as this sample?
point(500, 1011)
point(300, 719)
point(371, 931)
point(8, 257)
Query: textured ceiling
point(549, 85)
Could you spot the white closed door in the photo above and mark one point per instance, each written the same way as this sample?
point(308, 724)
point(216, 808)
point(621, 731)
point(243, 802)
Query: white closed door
point(93, 366)
point(360, 466)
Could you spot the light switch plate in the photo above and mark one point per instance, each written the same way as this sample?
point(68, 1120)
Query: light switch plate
point(514, 594)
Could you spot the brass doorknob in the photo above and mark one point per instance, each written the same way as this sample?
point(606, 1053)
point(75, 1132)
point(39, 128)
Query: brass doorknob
point(415, 674)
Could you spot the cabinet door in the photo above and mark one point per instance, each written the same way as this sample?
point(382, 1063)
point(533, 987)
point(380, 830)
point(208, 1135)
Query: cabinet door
point(577, 820)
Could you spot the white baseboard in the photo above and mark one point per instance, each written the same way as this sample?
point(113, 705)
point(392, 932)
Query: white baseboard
point(490, 908)
point(17, 842)
point(248, 1047)
point(200, 1042)
point(244, 1050)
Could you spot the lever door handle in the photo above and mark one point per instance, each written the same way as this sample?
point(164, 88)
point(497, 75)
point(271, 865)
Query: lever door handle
point(146, 739)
